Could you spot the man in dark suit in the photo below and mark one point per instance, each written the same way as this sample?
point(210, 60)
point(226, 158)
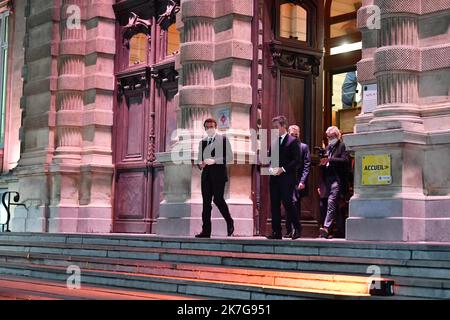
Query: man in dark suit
point(334, 180)
point(283, 177)
point(214, 153)
point(300, 191)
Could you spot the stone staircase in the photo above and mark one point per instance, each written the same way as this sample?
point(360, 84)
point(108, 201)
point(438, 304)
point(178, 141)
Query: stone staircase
point(230, 268)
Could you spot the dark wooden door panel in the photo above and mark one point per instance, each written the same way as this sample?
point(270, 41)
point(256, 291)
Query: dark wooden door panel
point(134, 133)
point(292, 100)
point(133, 122)
point(130, 195)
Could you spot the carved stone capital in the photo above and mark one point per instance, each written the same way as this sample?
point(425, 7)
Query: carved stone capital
point(135, 25)
point(293, 60)
point(166, 19)
point(130, 84)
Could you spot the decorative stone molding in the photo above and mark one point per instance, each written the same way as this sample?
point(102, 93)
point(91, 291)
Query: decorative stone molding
point(131, 83)
point(198, 75)
point(366, 71)
point(169, 16)
point(399, 31)
point(389, 59)
point(399, 6)
point(166, 76)
point(136, 25)
point(283, 58)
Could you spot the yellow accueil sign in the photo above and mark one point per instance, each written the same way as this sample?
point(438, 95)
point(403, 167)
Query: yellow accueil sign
point(376, 170)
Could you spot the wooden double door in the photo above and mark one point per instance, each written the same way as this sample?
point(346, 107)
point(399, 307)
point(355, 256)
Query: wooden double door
point(144, 116)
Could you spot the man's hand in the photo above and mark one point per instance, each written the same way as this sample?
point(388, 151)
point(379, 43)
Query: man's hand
point(324, 161)
point(276, 171)
point(202, 165)
point(301, 186)
point(210, 162)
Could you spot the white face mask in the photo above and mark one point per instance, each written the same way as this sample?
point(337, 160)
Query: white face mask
point(333, 141)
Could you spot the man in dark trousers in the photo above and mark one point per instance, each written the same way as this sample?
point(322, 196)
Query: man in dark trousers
point(213, 155)
point(283, 177)
point(333, 182)
point(300, 191)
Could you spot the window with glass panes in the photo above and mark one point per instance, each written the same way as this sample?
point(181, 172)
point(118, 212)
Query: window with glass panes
point(3, 71)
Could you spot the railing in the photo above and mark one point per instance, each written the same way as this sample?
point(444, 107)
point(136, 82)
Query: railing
point(6, 201)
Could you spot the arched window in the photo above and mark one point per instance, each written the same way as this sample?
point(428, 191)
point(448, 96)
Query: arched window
point(173, 40)
point(293, 21)
point(138, 49)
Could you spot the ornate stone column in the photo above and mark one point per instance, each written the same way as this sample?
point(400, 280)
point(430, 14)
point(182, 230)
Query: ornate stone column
point(410, 124)
point(37, 133)
point(95, 199)
point(366, 66)
point(215, 76)
point(65, 170)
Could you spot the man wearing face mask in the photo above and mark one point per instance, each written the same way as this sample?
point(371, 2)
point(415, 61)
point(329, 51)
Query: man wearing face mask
point(300, 191)
point(333, 181)
point(214, 152)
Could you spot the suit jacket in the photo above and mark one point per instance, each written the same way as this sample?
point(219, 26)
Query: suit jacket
point(337, 170)
point(304, 167)
point(289, 157)
point(220, 151)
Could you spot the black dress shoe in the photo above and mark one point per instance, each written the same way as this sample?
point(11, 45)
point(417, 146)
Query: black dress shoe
point(230, 230)
point(296, 235)
point(324, 233)
point(288, 235)
point(203, 235)
point(274, 236)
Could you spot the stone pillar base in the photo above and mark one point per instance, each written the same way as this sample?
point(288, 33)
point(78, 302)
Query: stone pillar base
point(31, 219)
point(80, 220)
point(185, 219)
point(390, 219)
point(416, 205)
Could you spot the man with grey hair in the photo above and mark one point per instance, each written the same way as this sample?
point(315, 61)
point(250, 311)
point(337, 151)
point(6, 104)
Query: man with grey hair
point(333, 182)
point(293, 228)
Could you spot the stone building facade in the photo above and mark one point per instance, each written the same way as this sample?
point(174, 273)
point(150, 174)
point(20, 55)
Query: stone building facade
point(97, 88)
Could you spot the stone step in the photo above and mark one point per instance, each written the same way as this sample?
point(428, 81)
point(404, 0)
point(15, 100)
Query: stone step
point(21, 288)
point(408, 254)
point(306, 263)
point(404, 287)
point(411, 266)
point(174, 285)
point(309, 281)
point(304, 246)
